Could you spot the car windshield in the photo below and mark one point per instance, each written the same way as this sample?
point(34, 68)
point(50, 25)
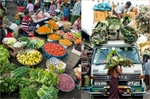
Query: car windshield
point(128, 52)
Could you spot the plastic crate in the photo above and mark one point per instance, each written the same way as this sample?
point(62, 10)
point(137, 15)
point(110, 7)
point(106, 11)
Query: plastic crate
point(20, 8)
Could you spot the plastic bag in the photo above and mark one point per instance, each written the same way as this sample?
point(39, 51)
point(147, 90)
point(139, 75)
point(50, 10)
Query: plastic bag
point(15, 28)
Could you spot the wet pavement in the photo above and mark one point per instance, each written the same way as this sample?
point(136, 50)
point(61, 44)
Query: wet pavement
point(71, 60)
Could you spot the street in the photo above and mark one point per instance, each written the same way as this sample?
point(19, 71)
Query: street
point(85, 95)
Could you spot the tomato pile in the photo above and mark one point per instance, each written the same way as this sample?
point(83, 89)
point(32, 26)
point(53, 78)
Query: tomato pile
point(66, 83)
point(54, 49)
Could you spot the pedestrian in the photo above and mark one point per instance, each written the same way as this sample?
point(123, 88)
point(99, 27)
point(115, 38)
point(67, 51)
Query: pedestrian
point(66, 10)
point(52, 8)
point(77, 25)
point(114, 73)
point(119, 10)
point(30, 7)
point(147, 74)
point(26, 21)
point(76, 11)
point(58, 4)
point(5, 31)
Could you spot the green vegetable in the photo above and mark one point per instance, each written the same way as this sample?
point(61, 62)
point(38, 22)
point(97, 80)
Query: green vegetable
point(77, 34)
point(46, 92)
point(24, 39)
point(4, 55)
point(114, 59)
point(129, 34)
point(28, 92)
point(8, 85)
point(60, 71)
point(21, 71)
point(44, 77)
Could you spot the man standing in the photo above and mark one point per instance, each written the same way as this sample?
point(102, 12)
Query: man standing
point(147, 74)
point(114, 73)
point(119, 10)
point(76, 11)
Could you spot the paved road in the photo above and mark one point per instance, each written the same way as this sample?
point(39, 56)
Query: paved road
point(85, 95)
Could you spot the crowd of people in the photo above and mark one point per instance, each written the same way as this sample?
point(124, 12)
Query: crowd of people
point(71, 11)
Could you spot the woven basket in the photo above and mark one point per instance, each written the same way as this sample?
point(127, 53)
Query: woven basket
point(24, 50)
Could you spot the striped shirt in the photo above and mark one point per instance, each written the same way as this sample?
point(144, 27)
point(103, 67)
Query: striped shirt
point(25, 22)
point(77, 8)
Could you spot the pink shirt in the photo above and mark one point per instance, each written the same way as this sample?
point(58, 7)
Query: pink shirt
point(30, 7)
point(77, 25)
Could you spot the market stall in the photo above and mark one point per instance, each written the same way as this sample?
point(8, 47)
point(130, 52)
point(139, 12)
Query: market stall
point(54, 56)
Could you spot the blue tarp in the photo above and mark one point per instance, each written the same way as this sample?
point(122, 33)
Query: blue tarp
point(102, 6)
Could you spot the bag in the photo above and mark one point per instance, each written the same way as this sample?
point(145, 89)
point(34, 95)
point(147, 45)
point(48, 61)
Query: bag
point(15, 28)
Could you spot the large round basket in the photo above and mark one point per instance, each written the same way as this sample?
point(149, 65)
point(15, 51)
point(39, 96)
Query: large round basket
point(65, 83)
point(43, 33)
point(29, 51)
point(37, 38)
point(49, 55)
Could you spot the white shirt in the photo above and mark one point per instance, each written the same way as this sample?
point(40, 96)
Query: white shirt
point(120, 8)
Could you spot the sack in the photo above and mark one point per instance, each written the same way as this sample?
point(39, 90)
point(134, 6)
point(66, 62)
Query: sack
point(15, 28)
point(112, 35)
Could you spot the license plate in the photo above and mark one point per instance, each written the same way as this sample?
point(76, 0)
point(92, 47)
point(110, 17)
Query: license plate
point(138, 90)
point(126, 94)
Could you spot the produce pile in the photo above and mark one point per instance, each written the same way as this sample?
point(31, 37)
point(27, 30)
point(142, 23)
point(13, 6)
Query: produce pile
point(54, 49)
point(29, 57)
point(142, 19)
point(52, 24)
point(4, 55)
point(44, 30)
point(66, 83)
point(129, 34)
point(54, 37)
point(9, 40)
point(35, 43)
point(70, 36)
point(113, 29)
point(99, 34)
point(114, 59)
point(65, 42)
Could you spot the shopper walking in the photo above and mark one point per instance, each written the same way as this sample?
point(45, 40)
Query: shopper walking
point(66, 10)
point(119, 10)
point(52, 8)
point(114, 73)
point(30, 7)
point(147, 74)
point(58, 4)
point(76, 11)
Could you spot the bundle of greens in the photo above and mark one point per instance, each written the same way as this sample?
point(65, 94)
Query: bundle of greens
point(113, 23)
point(142, 19)
point(43, 76)
point(99, 34)
point(130, 34)
point(7, 83)
point(46, 92)
point(114, 59)
point(4, 55)
point(126, 20)
point(29, 92)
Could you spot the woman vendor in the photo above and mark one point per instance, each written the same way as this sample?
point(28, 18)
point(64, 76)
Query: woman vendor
point(77, 25)
point(5, 31)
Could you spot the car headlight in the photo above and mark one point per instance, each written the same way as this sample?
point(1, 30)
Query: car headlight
point(100, 83)
point(134, 83)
